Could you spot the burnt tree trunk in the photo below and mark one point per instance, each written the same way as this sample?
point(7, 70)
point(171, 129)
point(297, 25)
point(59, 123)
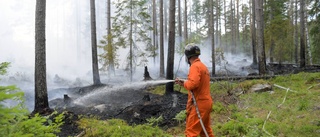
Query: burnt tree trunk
point(302, 36)
point(171, 46)
point(41, 94)
point(211, 36)
point(95, 69)
point(146, 74)
point(253, 34)
point(260, 38)
point(161, 40)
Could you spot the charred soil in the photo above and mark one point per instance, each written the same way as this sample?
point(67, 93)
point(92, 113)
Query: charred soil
point(134, 106)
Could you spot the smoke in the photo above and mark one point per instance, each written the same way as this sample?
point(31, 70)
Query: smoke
point(68, 48)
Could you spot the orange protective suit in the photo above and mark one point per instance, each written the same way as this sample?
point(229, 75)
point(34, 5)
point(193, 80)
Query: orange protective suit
point(199, 83)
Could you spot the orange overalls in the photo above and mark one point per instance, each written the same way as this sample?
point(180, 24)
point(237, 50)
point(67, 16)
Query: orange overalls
point(199, 83)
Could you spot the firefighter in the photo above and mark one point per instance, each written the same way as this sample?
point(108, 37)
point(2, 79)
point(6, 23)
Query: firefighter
point(199, 103)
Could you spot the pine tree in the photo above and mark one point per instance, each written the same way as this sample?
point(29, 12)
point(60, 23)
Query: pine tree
point(41, 94)
point(130, 26)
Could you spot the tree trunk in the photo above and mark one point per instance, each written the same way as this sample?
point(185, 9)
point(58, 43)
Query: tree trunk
point(296, 52)
point(165, 19)
point(245, 34)
point(291, 13)
point(225, 22)
point(41, 95)
point(131, 43)
point(95, 69)
point(211, 36)
point(171, 46)
point(260, 39)
point(161, 41)
point(253, 34)
point(185, 21)
point(155, 29)
point(272, 44)
point(109, 38)
point(217, 22)
point(302, 36)
point(307, 42)
point(179, 22)
point(220, 30)
point(233, 45)
point(238, 22)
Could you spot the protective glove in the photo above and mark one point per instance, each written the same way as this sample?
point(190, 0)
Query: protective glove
point(179, 81)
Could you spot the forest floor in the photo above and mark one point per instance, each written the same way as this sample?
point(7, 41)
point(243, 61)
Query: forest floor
point(134, 105)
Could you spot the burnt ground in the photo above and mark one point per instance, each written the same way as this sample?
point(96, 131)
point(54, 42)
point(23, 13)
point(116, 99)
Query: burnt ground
point(136, 105)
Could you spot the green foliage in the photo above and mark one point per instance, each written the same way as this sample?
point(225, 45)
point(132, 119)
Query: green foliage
point(14, 121)
point(137, 37)
point(219, 108)
point(278, 31)
point(246, 85)
point(297, 116)
point(221, 87)
point(314, 30)
point(196, 14)
point(109, 58)
point(181, 116)
point(3, 67)
point(116, 127)
point(154, 121)
point(303, 105)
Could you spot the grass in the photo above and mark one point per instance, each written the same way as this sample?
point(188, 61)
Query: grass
point(296, 116)
point(291, 113)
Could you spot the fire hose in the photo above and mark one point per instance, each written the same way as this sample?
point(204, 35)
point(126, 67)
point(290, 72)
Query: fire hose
point(197, 110)
point(198, 113)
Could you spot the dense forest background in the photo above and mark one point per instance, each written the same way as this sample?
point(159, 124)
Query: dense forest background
point(68, 31)
point(102, 37)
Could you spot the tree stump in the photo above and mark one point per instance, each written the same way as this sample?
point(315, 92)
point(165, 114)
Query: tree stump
point(146, 74)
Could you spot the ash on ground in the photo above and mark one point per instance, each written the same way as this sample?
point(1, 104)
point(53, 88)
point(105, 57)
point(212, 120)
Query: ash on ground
point(134, 105)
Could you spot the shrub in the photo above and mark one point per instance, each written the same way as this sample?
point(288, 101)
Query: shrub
point(181, 116)
point(14, 120)
point(154, 121)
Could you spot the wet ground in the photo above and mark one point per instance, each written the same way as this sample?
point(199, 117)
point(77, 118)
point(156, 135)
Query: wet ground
point(134, 104)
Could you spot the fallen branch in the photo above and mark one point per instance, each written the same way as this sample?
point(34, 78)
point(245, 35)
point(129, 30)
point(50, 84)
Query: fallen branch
point(81, 134)
point(284, 99)
point(285, 88)
point(313, 86)
point(265, 121)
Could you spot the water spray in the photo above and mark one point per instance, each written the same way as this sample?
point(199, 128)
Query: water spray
point(100, 92)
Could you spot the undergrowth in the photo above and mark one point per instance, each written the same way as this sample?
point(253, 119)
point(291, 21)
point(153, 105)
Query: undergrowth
point(293, 112)
point(15, 120)
point(118, 128)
